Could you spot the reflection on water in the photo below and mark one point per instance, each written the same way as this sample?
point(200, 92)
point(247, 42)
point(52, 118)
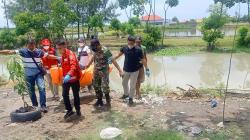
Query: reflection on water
point(199, 70)
point(194, 32)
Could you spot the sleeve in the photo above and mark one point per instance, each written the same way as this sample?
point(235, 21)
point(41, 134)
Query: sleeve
point(122, 49)
point(20, 52)
point(73, 64)
point(140, 53)
point(42, 53)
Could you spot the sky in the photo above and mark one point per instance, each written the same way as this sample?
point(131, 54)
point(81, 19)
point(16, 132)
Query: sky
point(187, 9)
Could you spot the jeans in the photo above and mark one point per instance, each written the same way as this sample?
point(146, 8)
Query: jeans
point(75, 86)
point(39, 81)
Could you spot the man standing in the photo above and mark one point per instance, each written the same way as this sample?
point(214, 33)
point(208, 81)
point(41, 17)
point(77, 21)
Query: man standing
point(132, 64)
point(48, 63)
point(71, 74)
point(102, 57)
point(31, 57)
point(141, 75)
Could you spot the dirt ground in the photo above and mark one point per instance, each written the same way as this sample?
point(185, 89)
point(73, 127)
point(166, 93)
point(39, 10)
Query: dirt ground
point(153, 113)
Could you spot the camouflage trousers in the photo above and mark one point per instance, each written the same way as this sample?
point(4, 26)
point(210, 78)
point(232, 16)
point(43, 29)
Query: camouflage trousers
point(101, 85)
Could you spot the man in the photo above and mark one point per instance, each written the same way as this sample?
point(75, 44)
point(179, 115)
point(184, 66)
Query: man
point(132, 64)
point(141, 75)
point(31, 57)
point(71, 74)
point(102, 57)
point(84, 54)
point(48, 63)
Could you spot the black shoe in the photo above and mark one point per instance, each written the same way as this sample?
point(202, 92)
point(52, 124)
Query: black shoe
point(68, 114)
point(78, 113)
point(44, 109)
point(99, 103)
point(124, 97)
point(130, 102)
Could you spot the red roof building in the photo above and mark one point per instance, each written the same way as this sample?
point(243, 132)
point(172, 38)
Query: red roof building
point(153, 19)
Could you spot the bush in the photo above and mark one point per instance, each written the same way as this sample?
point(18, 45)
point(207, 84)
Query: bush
point(151, 37)
point(7, 39)
point(130, 29)
point(243, 37)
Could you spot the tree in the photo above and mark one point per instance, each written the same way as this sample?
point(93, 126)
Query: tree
point(243, 36)
point(115, 25)
point(151, 37)
point(175, 19)
point(95, 22)
point(210, 29)
point(167, 4)
point(135, 21)
point(136, 6)
point(60, 17)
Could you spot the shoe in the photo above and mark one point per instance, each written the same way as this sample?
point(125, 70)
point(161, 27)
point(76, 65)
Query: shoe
point(108, 100)
point(78, 113)
point(68, 114)
point(99, 104)
point(130, 102)
point(124, 97)
point(44, 109)
point(36, 108)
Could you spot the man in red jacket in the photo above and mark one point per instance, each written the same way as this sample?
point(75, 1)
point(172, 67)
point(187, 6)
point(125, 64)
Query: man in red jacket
point(71, 76)
point(48, 63)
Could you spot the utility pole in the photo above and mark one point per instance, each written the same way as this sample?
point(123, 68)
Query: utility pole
point(5, 12)
point(248, 9)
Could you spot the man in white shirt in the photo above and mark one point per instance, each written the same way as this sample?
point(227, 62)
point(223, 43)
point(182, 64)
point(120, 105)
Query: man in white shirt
point(84, 55)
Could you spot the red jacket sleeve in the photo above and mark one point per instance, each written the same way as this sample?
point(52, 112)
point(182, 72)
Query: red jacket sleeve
point(73, 64)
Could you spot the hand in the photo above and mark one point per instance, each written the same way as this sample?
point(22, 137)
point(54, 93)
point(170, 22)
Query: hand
point(66, 79)
point(147, 72)
point(121, 73)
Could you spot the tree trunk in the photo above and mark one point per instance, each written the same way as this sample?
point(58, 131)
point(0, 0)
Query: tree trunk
point(5, 12)
point(248, 11)
point(164, 26)
point(88, 36)
point(150, 10)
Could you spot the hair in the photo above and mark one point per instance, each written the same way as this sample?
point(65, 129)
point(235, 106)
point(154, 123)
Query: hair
point(31, 42)
point(139, 38)
point(60, 41)
point(131, 38)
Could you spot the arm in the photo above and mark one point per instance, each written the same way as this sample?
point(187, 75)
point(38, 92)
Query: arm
point(73, 64)
point(117, 67)
point(7, 52)
point(91, 61)
point(119, 55)
point(145, 61)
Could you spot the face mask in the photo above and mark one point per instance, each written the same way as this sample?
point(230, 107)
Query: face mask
point(81, 44)
point(46, 47)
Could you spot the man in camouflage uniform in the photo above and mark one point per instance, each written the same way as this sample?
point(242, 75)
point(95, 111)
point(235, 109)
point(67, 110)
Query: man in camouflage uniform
point(102, 57)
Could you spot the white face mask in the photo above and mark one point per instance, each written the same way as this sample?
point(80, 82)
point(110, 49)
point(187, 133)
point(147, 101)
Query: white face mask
point(81, 44)
point(46, 47)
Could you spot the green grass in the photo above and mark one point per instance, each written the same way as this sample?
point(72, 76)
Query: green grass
point(174, 51)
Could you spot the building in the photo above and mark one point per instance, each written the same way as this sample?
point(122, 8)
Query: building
point(152, 19)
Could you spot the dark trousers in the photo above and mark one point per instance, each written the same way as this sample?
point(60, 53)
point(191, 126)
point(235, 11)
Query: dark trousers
point(75, 86)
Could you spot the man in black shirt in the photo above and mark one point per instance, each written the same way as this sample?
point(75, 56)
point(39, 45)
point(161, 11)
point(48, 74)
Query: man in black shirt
point(132, 64)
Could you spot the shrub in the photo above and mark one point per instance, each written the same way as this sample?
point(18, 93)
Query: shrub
point(242, 37)
point(7, 39)
point(151, 37)
point(130, 29)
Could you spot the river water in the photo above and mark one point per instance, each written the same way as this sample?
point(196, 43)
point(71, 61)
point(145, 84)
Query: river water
point(199, 70)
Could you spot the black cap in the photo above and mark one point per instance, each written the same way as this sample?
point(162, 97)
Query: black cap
point(31, 42)
point(131, 38)
point(94, 42)
point(60, 41)
point(81, 40)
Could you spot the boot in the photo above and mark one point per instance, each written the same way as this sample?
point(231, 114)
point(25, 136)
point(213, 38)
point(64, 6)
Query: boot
point(108, 100)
